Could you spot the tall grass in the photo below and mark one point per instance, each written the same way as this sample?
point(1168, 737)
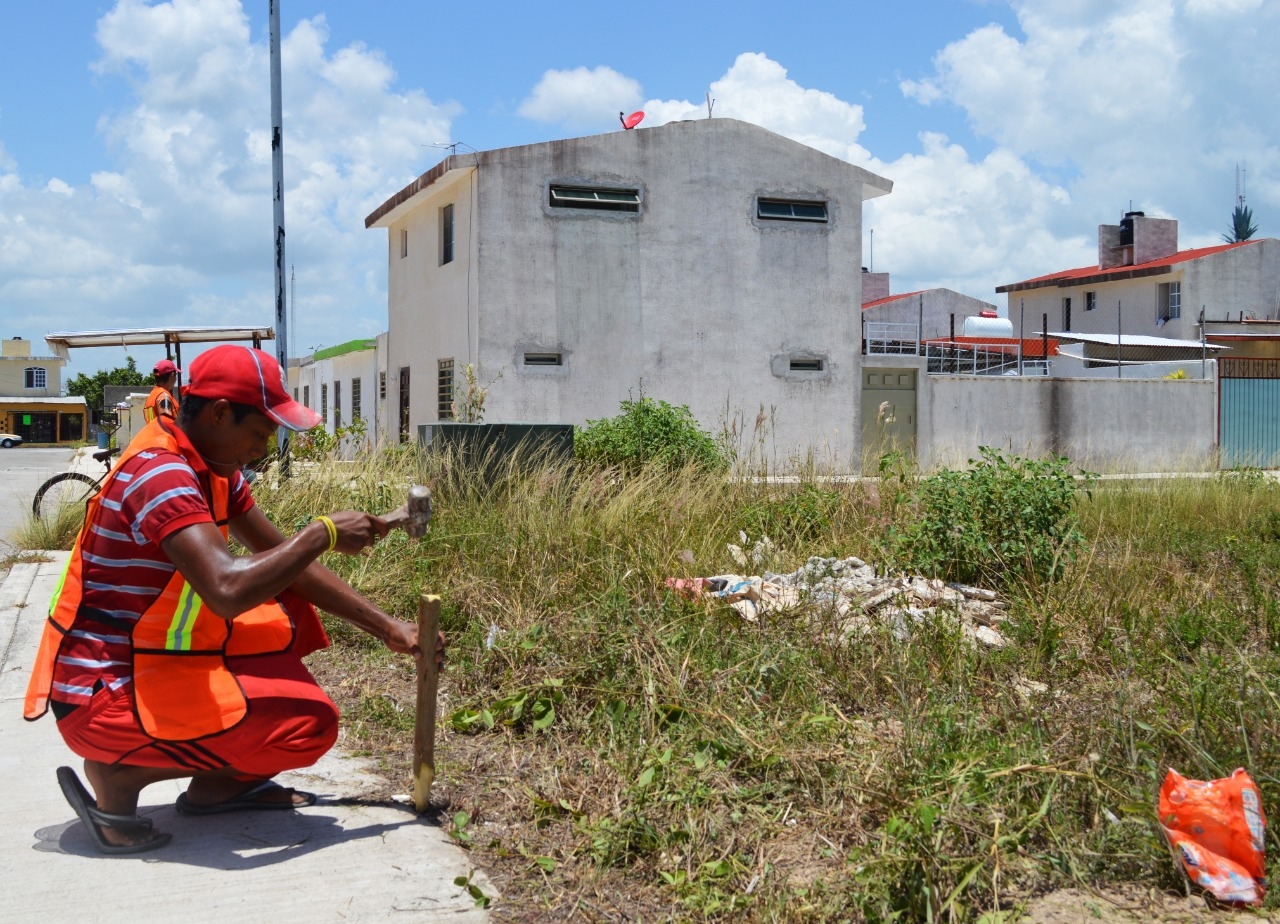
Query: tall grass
point(611, 750)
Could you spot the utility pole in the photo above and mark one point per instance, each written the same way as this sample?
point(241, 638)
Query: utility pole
point(277, 185)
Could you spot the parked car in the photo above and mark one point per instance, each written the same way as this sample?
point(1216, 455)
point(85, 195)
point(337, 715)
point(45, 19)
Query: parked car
point(10, 439)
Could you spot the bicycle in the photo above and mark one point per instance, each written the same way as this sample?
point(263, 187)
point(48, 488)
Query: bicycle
point(71, 487)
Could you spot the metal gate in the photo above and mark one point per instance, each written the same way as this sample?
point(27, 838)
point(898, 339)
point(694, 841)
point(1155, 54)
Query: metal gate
point(1248, 413)
point(888, 414)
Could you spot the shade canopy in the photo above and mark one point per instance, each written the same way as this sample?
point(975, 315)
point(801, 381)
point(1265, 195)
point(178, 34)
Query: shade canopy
point(171, 338)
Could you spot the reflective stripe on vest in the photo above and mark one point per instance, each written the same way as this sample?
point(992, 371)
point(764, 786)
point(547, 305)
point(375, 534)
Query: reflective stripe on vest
point(183, 689)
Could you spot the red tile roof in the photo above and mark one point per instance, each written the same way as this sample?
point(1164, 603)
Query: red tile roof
point(1086, 274)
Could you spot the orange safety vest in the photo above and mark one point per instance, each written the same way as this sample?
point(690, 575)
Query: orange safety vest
point(153, 407)
point(183, 689)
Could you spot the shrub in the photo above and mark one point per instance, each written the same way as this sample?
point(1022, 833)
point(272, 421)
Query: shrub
point(648, 432)
point(1005, 519)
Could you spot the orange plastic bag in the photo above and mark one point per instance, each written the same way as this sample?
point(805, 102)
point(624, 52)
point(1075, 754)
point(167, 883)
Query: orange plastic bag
point(1219, 831)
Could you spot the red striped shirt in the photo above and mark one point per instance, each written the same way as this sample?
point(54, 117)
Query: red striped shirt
point(154, 495)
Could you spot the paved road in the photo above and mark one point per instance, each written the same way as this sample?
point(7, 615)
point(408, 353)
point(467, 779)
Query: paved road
point(22, 470)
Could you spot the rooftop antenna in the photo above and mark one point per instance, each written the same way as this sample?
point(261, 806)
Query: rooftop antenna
point(631, 121)
point(710, 104)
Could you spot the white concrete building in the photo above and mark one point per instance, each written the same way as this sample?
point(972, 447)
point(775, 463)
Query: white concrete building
point(1144, 285)
point(343, 383)
point(711, 263)
point(930, 310)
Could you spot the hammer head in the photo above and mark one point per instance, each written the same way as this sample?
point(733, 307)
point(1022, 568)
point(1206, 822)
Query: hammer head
point(419, 511)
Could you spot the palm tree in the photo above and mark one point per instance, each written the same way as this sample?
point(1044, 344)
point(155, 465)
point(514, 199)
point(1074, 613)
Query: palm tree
point(1242, 226)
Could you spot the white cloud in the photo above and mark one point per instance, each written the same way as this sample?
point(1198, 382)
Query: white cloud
point(580, 97)
point(758, 90)
point(180, 229)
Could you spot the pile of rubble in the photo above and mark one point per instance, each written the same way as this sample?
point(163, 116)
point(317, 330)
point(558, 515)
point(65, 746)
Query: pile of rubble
point(848, 594)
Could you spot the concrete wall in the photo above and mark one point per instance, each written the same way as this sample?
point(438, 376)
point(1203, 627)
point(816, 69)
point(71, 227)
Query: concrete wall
point(432, 307)
point(693, 299)
point(1105, 425)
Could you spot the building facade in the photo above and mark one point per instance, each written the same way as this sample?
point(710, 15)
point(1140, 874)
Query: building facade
point(710, 263)
point(346, 385)
point(31, 402)
point(1144, 285)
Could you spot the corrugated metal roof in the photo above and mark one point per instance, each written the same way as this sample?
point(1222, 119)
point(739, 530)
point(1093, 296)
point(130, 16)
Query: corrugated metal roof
point(1134, 340)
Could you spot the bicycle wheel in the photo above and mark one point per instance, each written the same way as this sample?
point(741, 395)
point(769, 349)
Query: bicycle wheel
point(61, 490)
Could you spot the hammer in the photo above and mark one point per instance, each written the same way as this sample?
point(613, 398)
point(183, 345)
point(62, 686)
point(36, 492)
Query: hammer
point(415, 516)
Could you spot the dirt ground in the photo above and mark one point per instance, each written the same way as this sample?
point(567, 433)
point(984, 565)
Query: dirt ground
point(1128, 904)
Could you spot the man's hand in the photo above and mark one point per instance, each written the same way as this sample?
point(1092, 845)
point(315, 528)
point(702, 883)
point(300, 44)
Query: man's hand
point(357, 531)
point(402, 637)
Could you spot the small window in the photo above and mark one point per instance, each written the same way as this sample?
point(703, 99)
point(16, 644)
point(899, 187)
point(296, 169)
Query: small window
point(606, 200)
point(382, 386)
point(1090, 301)
point(791, 210)
point(295, 394)
point(808, 365)
point(355, 400)
point(544, 359)
point(446, 234)
point(444, 390)
point(324, 402)
point(1066, 314)
point(337, 404)
point(35, 377)
point(306, 396)
point(1169, 301)
point(404, 243)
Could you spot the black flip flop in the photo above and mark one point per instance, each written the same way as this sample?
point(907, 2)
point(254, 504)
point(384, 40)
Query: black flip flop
point(95, 819)
point(248, 801)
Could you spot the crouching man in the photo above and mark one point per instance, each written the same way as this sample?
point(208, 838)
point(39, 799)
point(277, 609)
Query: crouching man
point(165, 656)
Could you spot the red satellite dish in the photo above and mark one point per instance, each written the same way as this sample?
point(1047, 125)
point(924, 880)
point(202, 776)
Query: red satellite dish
point(631, 121)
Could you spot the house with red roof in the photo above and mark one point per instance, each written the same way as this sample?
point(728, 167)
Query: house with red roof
point(1229, 294)
point(932, 311)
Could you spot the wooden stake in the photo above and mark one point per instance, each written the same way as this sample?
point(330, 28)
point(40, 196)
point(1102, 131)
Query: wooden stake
point(424, 728)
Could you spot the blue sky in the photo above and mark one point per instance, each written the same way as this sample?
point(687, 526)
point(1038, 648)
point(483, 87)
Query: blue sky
point(135, 180)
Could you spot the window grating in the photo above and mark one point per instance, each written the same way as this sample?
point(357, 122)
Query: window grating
point(586, 197)
point(791, 210)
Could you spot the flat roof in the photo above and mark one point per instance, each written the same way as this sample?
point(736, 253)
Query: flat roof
point(63, 341)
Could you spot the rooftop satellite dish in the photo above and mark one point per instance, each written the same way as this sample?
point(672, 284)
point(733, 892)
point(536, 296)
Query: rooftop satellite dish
point(631, 121)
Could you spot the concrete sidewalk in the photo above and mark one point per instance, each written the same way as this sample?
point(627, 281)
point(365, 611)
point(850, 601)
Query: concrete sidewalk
point(345, 859)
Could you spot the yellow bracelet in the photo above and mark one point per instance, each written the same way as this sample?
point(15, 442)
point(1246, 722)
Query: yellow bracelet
point(333, 532)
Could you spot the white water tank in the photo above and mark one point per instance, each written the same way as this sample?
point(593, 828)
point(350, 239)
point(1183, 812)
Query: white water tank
point(988, 325)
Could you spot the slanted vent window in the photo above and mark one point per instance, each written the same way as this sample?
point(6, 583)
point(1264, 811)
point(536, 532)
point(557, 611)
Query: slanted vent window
point(590, 197)
point(791, 210)
point(808, 365)
point(544, 359)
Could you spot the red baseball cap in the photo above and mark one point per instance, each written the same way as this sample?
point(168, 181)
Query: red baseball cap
point(247, 376)
point(165, 367)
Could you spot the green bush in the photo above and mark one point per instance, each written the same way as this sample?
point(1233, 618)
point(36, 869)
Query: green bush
point(1005, 519)
point(648, 432)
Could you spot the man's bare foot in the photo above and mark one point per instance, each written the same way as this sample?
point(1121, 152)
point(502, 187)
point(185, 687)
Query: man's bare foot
point(212, 796)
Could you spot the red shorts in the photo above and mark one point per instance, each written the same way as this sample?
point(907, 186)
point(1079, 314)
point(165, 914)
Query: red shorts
point(291, 723)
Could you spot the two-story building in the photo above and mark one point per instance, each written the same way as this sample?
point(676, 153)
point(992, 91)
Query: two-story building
point(31, 402)
point(1143, 285)
point(344, 384)
point(711, 263)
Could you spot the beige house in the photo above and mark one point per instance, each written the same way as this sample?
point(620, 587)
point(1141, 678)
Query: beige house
point(31, 402)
